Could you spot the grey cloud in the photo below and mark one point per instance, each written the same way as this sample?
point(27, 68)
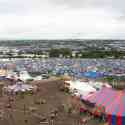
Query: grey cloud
point(115, 5)
point(88, 2)
point(20, 6)
point(111, 9)
point(80, 3)
point(25, 6)
point(12, 7)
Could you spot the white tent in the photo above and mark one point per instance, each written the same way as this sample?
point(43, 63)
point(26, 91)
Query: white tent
point(12, 75)
point(96, 84)
point(38, 78)
point(19, 87)
point(82, 88)
point(24, 76)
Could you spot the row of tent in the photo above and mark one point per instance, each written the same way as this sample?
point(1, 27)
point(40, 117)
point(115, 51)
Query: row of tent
point(92, 69)
point(22, 75)
point(70, 66)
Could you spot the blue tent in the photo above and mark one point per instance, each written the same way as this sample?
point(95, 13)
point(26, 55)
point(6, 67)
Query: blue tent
point(92, 74)
point(2, 78)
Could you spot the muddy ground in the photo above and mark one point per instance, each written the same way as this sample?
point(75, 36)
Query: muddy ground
point(26, 110)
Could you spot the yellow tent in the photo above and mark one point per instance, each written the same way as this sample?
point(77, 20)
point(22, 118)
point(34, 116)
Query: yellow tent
point(3, 72)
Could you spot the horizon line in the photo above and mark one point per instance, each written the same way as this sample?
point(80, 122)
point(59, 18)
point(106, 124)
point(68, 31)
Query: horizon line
point(61, 39)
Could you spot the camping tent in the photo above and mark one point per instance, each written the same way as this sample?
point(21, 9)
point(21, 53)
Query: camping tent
point(82, 87)
point(19, 87)
point(38, 78)
point(24, 75)
point(92, 74)
point(3, 78)
point(3, 72)
point(114, 103)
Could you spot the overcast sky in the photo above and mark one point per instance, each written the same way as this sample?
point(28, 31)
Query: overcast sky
point(60, 19)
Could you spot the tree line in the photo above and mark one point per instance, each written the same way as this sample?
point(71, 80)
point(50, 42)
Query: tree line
point(68, 53)
point(65, 52)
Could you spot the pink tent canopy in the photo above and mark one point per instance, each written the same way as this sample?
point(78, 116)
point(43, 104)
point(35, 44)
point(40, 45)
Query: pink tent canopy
point(114, 103)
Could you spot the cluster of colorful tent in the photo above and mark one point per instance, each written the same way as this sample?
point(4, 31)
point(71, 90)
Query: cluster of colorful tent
point(73, 67)
point(19, 87)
